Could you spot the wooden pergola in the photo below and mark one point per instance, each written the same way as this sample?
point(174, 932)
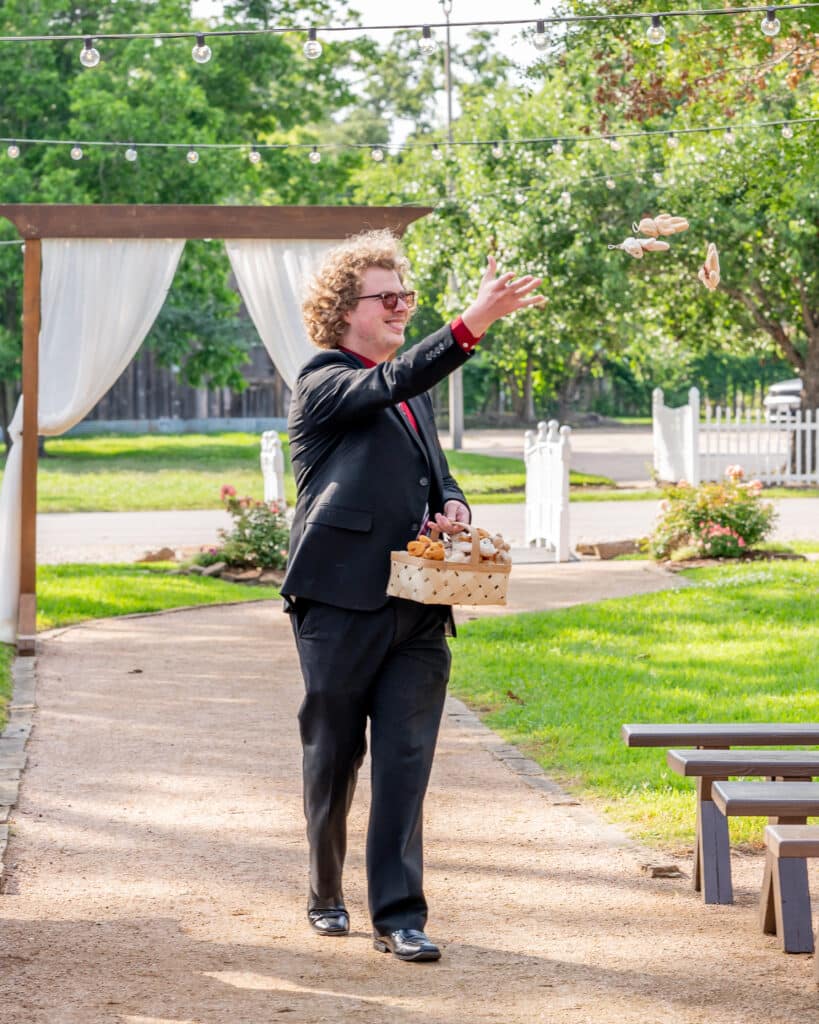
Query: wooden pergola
point(35, 222)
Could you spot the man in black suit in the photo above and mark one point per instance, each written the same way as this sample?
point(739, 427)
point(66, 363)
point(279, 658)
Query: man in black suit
point(369, 472)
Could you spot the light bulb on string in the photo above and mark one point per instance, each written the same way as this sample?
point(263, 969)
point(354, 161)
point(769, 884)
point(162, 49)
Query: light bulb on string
point(436, 152)
point(672, 140)
point(315, 156)
point(312, 48)
point(377, 153)
point(89, 55)
point(730, 138)
point(770, 23)
point(520, 198)
point(611, 183)
point(131, 154)
point(614, 143)
point(426, 44)
point(657, 178)
point(497, 150)
point(254, 156)
point(787, 131)
point(13, 150)
point(557, 148)
point(192, 156)
point(76, 152)
point(540, 40)
point(201, 53)
point(565, 199)
point(656, 33)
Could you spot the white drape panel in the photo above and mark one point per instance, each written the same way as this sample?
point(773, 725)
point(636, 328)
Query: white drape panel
point(271, 277)
point(99, 298)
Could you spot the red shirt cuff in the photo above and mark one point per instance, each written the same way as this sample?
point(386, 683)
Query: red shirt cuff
point(462, 334)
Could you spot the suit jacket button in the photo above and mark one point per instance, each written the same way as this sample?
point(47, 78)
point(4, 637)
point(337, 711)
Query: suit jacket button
point(415, 527)
point(424, 482)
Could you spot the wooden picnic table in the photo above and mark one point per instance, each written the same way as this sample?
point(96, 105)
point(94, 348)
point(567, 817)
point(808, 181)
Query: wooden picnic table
point(711, 847)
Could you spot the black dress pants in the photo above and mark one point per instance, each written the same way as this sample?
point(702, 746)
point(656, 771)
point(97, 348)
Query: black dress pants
point(391, 666)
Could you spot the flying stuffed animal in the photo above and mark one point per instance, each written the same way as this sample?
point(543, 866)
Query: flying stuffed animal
point(662, 224)
point(709, 271)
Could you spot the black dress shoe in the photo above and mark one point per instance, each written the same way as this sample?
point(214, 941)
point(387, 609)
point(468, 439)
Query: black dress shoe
point(333, 921)
point(407, 944)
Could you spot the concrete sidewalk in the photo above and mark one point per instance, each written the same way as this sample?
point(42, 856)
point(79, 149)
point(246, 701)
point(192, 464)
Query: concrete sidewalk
point(124, 536)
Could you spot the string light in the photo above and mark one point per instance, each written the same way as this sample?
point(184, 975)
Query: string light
point(192, 156)
point(614, 142)
point(611, 183)
point(540, 40)
point(557, 148)
point(565, 199)
point(657, 178)
point(76, 152)
point(201, 53)
point(315, 156)
point(377, 153)
point(656, 33)
point(427, 44)
point(312, 48)
point(254, 156)
point(520, 198)
point(787, 131)
point(13, 151)
point(434, 149)
point(131, 154)
point(89, 55)
point(770, 23)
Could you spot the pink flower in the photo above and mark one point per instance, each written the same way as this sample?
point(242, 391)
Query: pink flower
point(683, 483)
point(227, 492)
point(755, 485)
point(741, 543)
point(735, 472)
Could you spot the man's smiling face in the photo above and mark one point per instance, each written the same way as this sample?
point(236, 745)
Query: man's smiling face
point(374, 331)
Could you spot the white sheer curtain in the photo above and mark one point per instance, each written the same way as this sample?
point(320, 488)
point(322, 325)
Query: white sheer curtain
point(271, 276)
point(99, 298)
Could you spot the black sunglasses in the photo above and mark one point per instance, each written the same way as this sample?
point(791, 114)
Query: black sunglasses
point(389, 300)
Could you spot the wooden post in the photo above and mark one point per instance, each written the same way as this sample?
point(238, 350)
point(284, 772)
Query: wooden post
point(27, 618)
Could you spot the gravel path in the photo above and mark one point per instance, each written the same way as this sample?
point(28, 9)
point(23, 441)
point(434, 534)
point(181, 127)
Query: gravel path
point(156, 869)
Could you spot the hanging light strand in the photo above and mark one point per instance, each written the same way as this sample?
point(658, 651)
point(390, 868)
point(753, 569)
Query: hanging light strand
point(302, 30)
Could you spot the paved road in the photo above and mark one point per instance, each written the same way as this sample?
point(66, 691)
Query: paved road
point(124, 536)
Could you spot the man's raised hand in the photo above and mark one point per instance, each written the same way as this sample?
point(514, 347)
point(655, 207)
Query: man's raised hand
point(499, 296)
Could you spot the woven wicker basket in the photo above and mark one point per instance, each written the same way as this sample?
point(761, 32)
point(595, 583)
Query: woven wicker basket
point(430, 582)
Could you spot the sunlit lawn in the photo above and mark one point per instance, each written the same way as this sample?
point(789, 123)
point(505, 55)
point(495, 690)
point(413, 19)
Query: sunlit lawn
point(742, 644)
point(186, 471)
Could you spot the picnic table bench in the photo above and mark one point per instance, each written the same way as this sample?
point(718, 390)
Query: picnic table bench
point(711, 846)
point(788, 896)
point(787, 803)
point(708, 766)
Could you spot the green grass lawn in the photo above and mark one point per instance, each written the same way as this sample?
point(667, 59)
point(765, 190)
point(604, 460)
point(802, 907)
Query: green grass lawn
point(123, 473)
point(742, 644)
point(77, 592)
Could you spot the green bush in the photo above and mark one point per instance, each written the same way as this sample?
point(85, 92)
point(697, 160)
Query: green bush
point(714, 520)
point(259, 539)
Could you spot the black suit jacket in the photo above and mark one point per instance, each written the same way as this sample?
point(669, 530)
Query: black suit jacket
point(363, 475)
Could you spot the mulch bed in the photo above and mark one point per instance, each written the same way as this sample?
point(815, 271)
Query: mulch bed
point(747, 556)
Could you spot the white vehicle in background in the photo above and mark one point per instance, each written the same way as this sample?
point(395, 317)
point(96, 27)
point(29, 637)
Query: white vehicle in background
point(782, 400)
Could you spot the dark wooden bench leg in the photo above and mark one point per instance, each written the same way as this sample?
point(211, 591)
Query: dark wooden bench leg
point(792, 904)
point(712, 858)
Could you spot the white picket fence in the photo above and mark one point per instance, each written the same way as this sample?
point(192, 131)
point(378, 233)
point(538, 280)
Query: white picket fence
point(546, 454)
point(784, 450)
point(272, 460)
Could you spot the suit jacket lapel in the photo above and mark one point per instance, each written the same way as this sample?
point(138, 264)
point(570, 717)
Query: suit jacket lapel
point(422, 443)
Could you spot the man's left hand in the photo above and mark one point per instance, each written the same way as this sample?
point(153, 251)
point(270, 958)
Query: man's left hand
point(455, 518)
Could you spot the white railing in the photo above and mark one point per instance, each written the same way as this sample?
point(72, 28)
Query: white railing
point(546, 454)
point(675, 438)
point(272, 459)
point(777, 448)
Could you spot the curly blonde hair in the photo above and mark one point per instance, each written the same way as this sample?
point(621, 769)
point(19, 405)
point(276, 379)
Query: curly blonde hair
point(334, 289)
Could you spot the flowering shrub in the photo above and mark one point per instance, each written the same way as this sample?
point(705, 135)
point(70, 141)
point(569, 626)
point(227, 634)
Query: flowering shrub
point(714, 520)
point(259, 539)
